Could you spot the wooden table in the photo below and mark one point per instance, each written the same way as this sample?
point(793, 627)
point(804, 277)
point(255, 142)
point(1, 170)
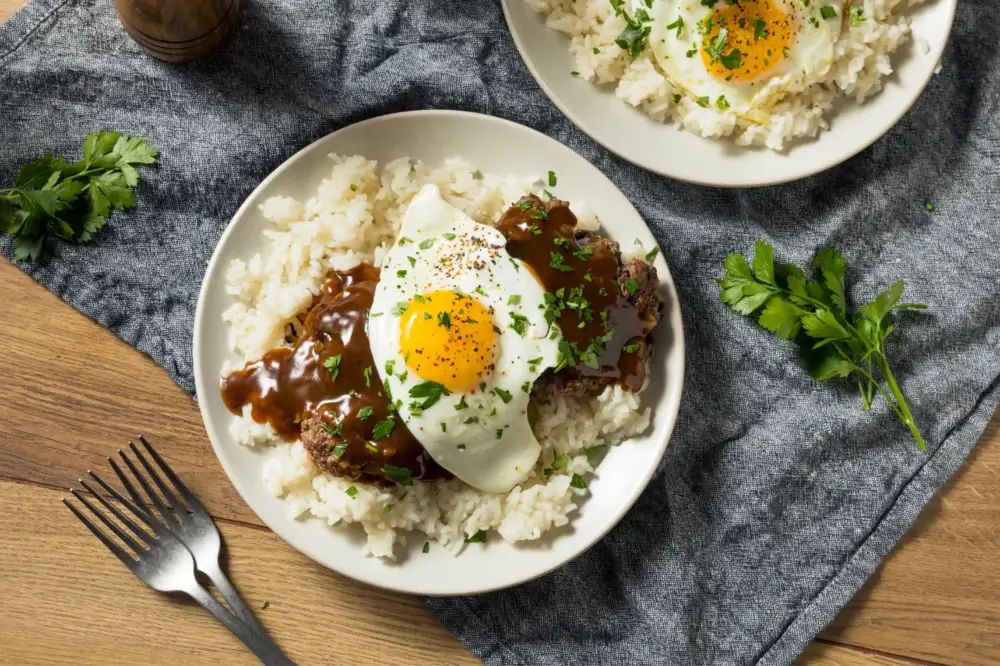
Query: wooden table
point(72, 393)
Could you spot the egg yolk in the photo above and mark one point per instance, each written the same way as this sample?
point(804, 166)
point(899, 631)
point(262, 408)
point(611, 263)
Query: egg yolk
point(758, 34)
point(448, 338)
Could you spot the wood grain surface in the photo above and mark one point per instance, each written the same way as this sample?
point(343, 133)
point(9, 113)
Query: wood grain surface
point(71, 393)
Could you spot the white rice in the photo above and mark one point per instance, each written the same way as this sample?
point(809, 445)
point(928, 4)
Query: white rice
point(357, 211)
point(861, 60)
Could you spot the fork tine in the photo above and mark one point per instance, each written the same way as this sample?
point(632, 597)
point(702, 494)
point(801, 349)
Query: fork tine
point(105, 539)
point(164, 512)
point(133, 493)
point(189, 497)
point(167, 493)
point(118, 514)
point(122, 534)
point(138, 510)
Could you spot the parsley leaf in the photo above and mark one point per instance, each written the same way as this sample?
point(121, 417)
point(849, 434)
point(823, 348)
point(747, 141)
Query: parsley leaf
point(558, 262)
point(577, 482)
point(759, 29)
point(399, 475)
point(478, 537)
point(856, 16)
point(431, 392)
point(503, 395)
point(383, 428)
point(366, 412)
point(677, 25)
point(814, 313)
point(332, 364)
point(827, 11)
point(444, 319)
point(635, 35)
point(72, 201)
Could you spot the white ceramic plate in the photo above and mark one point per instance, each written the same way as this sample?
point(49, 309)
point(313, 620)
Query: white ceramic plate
point(662, 148)
point(494, 146)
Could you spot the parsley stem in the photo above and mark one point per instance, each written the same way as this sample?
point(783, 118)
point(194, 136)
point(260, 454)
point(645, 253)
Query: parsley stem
point(904, 408)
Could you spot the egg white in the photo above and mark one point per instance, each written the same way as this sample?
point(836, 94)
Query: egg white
point(496, 453)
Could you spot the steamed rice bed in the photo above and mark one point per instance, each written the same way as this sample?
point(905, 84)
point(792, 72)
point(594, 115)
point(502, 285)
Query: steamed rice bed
point(354, 216)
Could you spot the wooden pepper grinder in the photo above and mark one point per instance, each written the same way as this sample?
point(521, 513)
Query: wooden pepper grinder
point(178, 30)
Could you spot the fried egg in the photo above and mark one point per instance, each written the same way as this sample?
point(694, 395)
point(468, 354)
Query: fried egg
point(459, 336)
point(742, 55)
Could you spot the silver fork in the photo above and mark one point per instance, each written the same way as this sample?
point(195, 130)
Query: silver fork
point(162, 561)
point(189, 521)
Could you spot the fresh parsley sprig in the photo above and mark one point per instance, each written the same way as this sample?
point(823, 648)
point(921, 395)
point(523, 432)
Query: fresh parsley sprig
point(814, 314)
point(74, 200)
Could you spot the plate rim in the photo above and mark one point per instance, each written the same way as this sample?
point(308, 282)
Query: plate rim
point(667, 409)
point(648, 165)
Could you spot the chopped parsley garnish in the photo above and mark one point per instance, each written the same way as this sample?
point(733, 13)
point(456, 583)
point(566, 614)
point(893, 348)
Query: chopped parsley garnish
point(526, 387)
point(708, 3)
point(632, 348)
point(403, 240)
point(596, 51)
point(413, 262)
point(390, 365)
point(577, 482)
point(559, 462)
point(469, 421)
point(333, 430)
point(534, 362)
point(371, 447)
point(561, 242)
point(401, 274)
point(493, 412)
point(399, 308)
point(352, 492)
point(431, 392)
point(632, 286)
point(384, 428)
point(444, 426)
point(499, 433)
point(535, 229)
point(633, 38)
point(368, 376)
point(419, 298)
point(388, 507)
point(519, 323)
point(856, 16)
point(702, 102)
point(651, 255)
point(714, 49)
point(588, 277)
point(517, 266)
point(496, 329)
point(426, 243)
point(503, 395)
point(461, 404)
point(354, 188)
point(525, 206)
point(583, 253)
point(333, 365)
point(445, 320)
point(479, 290)
point(759, 29)
point(427, 547)
point(399, 475)
point(827, 11)
point(594, 452)
point(339, 449)
point(449, 236)
point(558, 262)
point(514, 300)
point(478, 537)
point(677, 25)
point(552, 174)
point(732, 59)
point(266, 604)
point(366, 412)
point(722, 103)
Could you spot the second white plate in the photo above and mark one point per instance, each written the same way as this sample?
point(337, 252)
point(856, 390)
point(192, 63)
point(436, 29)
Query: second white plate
point(664, 149)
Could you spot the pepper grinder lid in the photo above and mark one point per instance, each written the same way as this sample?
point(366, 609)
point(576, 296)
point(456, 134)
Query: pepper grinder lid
point(178, 30)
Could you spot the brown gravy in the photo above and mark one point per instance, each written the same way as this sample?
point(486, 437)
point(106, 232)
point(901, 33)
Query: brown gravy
point(543, 235)
point(289, 385)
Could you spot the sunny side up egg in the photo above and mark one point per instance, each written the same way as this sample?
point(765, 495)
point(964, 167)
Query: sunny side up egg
point(742, 55)
point(459, 336)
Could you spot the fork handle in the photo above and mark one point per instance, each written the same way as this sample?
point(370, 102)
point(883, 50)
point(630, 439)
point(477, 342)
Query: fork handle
point(233, 598)
point(263, 648)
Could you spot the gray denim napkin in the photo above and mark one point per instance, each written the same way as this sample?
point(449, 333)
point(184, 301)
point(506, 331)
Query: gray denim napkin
point(778, 496)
